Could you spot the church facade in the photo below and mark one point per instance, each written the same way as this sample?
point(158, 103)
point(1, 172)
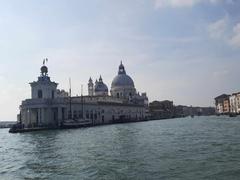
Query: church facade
point(51, 107)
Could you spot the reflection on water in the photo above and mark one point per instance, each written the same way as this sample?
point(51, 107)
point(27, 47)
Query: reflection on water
point(199, 148)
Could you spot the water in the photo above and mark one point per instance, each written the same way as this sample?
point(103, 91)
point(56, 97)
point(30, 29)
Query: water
point(199, 148)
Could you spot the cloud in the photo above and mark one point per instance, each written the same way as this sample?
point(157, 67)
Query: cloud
point(186, 3)
point(235, 39)
point(215, 1)
point(175, 3)
point(218, 28)
point(223, 30)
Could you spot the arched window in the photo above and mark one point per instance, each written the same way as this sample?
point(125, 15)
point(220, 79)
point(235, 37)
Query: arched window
point(40, 94)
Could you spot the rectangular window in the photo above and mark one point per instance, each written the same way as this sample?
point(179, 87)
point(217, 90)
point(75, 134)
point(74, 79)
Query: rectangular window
point(52, 94)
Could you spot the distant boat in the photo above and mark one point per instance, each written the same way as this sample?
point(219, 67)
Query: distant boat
point(73, 123)
point(232, 115)
point(192, 116)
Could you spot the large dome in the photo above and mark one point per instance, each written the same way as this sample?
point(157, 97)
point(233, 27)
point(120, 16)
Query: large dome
point(122, 80)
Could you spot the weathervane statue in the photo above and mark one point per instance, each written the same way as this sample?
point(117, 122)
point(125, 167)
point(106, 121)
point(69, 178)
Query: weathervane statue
point(44, 61)
point(44, 69)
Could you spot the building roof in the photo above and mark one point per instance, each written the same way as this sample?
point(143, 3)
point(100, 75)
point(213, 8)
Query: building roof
point(222, 96)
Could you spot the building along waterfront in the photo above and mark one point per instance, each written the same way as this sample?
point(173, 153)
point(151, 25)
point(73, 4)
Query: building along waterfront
point(166, 110)
point(228, 104)
point(50, 107)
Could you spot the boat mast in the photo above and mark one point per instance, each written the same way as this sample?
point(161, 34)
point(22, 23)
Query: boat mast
point(82, 98)
point(70, 98)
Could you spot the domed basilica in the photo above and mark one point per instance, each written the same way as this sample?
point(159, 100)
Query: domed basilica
point(122, 87)
point(50, 107)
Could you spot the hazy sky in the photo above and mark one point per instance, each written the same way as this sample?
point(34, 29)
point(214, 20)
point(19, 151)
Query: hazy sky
point(187, 51)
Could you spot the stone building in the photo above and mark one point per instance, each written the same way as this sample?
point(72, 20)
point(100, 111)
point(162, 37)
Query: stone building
point(51, 107)
point(235, 103)
point(222, 103)
point(238, 102)
point(226, 106)
point(161, 109)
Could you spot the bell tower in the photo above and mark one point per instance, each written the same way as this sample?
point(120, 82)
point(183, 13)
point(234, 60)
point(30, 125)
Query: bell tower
point(90, 87)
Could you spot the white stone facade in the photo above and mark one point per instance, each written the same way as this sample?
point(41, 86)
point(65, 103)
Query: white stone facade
point(43, 88)
point(238, 102)
point(234, 100)
point(50, 107)
point(100, 110)
point(219, 108)
point(233, 103)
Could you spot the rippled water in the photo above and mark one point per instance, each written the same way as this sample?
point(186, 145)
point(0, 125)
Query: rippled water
point(199, 148)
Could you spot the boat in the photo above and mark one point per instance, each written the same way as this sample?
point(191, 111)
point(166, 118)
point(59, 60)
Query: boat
point(76, 123)
point(73, 122)
point(232, 115)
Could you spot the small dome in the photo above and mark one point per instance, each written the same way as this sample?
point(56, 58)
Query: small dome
point(100, 86)
point(122, 80)
point(44, 69)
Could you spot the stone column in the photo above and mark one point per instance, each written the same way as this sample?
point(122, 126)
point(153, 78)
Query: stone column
point(29, 116)
point(42, 116)
point(59, 116)
point(46, 116)
point(39, 116)
point(65, 113)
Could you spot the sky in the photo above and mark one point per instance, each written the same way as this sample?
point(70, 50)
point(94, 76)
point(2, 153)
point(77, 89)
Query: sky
point(187, 51)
